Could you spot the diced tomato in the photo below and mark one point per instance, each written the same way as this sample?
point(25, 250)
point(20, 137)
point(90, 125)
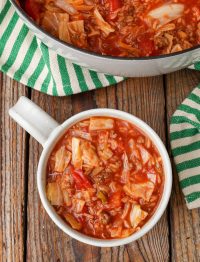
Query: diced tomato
point(115, 200)
point(140, 177)
point(115, 4)
point(85, 180)
point(77, 180)
point(81, 181)
point(146, 45)
point(33, 9)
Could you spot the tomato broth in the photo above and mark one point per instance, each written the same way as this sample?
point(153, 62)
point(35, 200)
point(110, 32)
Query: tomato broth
point(105, 177)
point(125, 28)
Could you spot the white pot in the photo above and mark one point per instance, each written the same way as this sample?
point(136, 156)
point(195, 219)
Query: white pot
point(128, 67)
point(47, 132)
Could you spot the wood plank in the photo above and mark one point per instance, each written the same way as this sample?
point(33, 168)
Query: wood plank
point(12, 175)
point(185, 225)
point(47, 243)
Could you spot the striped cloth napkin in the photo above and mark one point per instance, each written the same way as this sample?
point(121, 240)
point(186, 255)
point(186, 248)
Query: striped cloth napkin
point(26, 59)
point(185, 144)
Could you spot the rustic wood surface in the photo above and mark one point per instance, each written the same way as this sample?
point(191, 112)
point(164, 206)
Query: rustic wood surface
point(26, 231)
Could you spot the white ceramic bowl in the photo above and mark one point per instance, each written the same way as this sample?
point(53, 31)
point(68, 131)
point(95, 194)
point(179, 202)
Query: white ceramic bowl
point(47, 131)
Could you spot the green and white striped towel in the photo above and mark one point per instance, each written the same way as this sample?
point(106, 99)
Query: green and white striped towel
point(185, 144)
point(26, 59)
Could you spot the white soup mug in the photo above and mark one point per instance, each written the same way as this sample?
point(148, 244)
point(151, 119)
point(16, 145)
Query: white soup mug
point(48, 132)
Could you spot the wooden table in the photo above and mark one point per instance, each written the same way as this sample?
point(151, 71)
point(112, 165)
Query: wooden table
point(26, 231)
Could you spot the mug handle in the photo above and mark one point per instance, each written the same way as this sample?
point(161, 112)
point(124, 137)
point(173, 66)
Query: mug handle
point(33, 119)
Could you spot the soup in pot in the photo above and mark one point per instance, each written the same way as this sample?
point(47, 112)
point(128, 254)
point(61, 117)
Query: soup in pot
point(125, 28)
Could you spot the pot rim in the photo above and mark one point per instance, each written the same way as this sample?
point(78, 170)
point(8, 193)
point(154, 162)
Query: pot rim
point(106, 57)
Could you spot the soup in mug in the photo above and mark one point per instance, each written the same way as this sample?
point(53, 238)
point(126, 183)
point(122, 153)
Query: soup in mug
point(105, 178)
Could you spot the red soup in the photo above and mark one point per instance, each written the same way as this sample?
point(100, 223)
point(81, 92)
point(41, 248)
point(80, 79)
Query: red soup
point(105, 178)
point(125, 28)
